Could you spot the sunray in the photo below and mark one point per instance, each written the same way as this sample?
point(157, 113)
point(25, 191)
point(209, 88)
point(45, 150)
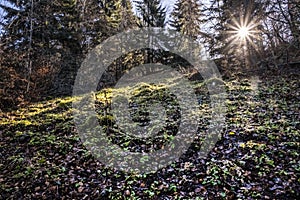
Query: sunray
point(243, 31)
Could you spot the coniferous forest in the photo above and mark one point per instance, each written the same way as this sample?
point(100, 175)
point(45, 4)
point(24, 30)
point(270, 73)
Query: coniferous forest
point(84, 115)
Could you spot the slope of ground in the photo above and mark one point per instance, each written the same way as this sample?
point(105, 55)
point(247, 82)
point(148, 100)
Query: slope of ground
point(42, 156)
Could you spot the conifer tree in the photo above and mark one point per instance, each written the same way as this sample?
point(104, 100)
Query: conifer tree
point(186, 18)
point(119, 14)
point(151, 12)
point(53, 36)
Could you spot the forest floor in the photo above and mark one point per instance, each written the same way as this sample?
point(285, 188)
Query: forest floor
point(42, 156)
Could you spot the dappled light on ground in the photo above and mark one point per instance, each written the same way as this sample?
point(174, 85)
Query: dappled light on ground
point(257, 156)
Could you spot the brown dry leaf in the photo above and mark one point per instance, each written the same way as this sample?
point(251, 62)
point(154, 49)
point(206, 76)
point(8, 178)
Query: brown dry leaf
point(80, 189)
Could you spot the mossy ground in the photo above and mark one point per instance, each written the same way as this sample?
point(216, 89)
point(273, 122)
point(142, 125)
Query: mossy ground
point(42, 156)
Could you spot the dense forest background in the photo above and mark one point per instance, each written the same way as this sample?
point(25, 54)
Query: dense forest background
point(43, 42)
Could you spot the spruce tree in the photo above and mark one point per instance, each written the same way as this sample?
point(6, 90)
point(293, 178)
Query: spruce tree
point(128, 19)
point(151, 12)
point(186, 18)
point(48, 39)
point(119, 14)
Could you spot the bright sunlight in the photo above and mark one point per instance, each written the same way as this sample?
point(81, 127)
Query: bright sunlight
point(243, 32)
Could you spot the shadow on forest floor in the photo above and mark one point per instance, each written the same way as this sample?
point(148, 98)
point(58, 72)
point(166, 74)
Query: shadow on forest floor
point(43, 157)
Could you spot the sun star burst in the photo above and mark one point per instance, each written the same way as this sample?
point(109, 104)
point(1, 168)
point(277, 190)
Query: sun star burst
point(243, 32)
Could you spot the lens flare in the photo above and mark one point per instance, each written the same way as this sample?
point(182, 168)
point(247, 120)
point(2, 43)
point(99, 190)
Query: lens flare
point(243, 32)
